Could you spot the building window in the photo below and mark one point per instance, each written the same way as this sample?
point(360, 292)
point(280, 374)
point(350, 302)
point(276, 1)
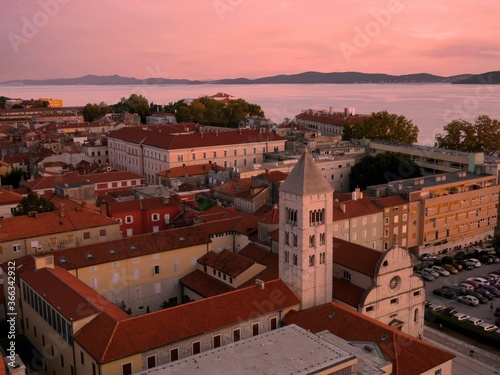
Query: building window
point(311, 260)
point(155, 217)
point(415, 316)
point(312, 241)
point(70, 238)
point(151, 361)
point(86, 235)
point(62, 357)
point(346, 275)
point(156, 270)
point(274, 323)
point(295, 259)
point(174, 354)
point(129, 219)
point(215, 154)
point(225, 153)
point(94, 369)
point(394, 301)
point(255, 329)
point(287, 238)
point(287, 256)
point(216, 341)
point(322, 258)
point(236, 335)
point(116, 277)
point(196, 347)
point(295, 240)
point(322, 238)
point(102, 233)
point(16, 248)
point(82, 358)
point(127, 369)
point(93, 283)
point(369, 308)
point(176, 265)
point(417, 293)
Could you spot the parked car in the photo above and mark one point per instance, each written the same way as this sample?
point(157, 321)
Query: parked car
point(460, 316)
point(468, 300)
point(479, 296)
point(496, 272)
point(492, 289)
point(440, 270)
point(497, 311)
point(495, 258)
point(485, 293)
point(446, 293)
point(479, 281)
point(449, 311)
point(476, 262)
point(431, 271)
point(457, 265)
point(467, 286)
point(459, 291)
point(452, 270)
point(487, 327)
point(466, 264)
point(427, 256)
point(426, 276)
point(474, 321)
point(470, 282)
point(485, 259)
point(495, 277)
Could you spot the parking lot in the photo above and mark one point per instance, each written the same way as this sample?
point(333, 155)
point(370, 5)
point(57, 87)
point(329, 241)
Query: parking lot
point(481, 311)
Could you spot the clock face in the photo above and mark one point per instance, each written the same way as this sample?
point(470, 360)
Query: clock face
point(395, 283)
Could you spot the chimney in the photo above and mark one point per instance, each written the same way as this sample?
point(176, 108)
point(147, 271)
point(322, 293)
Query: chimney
point(260, 283)
point(62, 210)
point(357, 194)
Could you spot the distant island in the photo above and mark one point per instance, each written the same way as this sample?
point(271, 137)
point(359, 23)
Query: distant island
point(300, 78)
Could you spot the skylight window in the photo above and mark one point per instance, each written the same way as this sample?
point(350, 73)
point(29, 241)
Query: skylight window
point(90, 256)
point(112, 251)
point(63, 260)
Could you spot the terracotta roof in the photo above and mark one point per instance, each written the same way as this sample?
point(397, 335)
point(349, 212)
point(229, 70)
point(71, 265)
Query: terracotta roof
point(106, 340)
point(46, 223)
point(240, 222)
point(391, 201)
point(204, 285)
point(271, 217)
point(141, 204)
point(408, 354)
point(164, 140)
point(306, 178)
point(356, 257)
point(264, 257)
point(190, 170)
point(228, 262)
point(128, 247)
point(346, 292)
point(360, 207)
point(50, 181)
point(72, 298)
point(9, 197)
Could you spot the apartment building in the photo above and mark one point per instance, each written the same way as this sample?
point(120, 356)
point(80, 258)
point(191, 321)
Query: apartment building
point(329, 123)
point(149, 150)
point(395, 214)
point(38, 232)
point(446, 210)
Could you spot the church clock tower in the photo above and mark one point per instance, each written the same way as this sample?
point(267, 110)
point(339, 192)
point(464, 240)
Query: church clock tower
point(305, 233)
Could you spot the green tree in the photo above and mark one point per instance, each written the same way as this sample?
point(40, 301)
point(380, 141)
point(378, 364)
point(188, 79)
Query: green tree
point(134, 104)
point(33, 202)
point(3, 99)
point(385, 126)
point(14, 177)
point(481, 136)
point(91, 111)
point(382, 168)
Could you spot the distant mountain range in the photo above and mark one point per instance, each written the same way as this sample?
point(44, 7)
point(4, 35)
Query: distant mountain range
point(301, 78)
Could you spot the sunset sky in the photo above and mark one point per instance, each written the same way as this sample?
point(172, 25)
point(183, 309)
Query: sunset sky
point(212, 39)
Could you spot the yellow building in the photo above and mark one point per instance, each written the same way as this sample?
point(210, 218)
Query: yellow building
point(53, 103)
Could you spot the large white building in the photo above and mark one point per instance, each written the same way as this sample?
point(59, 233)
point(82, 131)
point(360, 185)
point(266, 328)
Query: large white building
point(149, 150)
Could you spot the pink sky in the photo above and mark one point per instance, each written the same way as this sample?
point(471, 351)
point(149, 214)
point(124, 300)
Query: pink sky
point(211, 39)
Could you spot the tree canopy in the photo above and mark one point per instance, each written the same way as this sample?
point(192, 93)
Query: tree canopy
point(133, 104)
point(91, 111)
point(481, 136)
point(208, 111)
point(382, 168)
point(33, 202)
point(385, 126)
point(14, 177)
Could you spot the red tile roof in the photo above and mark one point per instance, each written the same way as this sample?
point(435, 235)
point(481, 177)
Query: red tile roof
point(141, 204)
point(356, 257)
point(408, 354)
point(360, 207)
point(106, 340)
point(190, 170)
point(391, 201)
point(49, 182)
point(271, 217)
point(72, 298)
point(346, 292)
point(9, 197)
point(152, 137)
point(128, 247)
point(47, 223)
point(204, 285)
point(228, 262)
